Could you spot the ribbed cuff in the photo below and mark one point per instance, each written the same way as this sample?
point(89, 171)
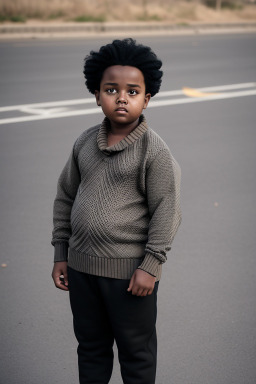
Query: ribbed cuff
point(150, 264)
point(60, 252)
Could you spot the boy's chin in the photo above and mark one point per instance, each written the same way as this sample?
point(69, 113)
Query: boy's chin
point(123, 118)
point(123, 121)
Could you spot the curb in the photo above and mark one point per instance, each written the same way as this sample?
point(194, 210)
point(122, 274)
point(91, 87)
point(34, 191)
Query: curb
point(87, 30)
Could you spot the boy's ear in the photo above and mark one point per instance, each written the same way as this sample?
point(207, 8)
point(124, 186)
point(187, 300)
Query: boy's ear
point(97, 97)
point(146, 100)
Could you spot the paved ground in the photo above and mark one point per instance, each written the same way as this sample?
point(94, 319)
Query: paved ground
point(206, 318)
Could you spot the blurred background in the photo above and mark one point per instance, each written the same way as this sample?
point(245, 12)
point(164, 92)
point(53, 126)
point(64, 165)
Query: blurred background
point(176, 11)
point(205, 112)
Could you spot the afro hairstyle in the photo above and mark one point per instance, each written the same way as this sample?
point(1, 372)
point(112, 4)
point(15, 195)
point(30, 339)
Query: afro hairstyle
point(123, 52)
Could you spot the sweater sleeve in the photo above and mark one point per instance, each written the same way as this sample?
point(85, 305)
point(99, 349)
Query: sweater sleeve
point(163, 195)
point(67, 187)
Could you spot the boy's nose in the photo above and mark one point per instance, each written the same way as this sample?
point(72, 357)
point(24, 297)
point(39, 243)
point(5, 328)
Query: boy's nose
point(121, 99)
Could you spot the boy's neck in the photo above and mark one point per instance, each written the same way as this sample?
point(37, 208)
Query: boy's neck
point(117, 132)
point(123, 130)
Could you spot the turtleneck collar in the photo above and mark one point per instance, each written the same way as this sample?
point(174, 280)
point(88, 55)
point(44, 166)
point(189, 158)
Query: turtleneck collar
point(102, 138)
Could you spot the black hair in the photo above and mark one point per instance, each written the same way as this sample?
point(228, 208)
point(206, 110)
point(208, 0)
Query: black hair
point(123, 52)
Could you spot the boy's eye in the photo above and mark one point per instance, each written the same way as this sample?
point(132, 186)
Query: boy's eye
point(111, 90)
point(133, 92)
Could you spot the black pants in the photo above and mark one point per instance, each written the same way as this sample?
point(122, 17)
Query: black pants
point(104, 311)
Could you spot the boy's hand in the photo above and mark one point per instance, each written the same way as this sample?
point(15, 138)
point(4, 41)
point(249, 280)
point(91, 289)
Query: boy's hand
point(60, 275)
point(141, 283)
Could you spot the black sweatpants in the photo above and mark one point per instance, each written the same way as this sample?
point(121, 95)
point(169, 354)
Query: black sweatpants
point(103, 311)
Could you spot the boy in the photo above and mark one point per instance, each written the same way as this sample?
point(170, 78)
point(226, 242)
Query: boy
point(117, 210)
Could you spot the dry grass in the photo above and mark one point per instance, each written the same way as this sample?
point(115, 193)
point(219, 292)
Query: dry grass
point(179, 11)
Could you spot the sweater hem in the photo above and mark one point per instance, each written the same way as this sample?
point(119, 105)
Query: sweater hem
point(116, 268)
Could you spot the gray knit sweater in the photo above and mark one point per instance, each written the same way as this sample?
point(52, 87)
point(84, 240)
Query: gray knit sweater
point(117, 208)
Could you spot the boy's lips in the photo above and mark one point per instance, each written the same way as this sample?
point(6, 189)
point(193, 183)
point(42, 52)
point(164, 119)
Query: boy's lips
point(121, 109)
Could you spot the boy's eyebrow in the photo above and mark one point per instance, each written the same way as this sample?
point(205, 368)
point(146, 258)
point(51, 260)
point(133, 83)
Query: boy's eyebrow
point(129, 85)
point(134, 85)
point(110, 84)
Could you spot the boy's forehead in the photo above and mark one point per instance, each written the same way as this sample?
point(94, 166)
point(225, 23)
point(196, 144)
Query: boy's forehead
point(123, 72)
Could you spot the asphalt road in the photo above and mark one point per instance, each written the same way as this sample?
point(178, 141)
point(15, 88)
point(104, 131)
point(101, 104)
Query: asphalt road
point(207, 306)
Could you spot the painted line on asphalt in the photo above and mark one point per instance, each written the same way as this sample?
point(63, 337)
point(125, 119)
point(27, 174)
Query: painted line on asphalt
point(37, 111)
point(217, 88)
point(46, 114)
point(218, 96)
point(92, 99)
point(192, 92)
point(48, 104)
point(79, 112)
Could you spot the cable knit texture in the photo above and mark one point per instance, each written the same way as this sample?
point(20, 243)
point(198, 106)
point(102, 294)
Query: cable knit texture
point(117, 208)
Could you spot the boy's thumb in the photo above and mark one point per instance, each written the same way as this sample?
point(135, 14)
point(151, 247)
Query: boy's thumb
point(131, 284)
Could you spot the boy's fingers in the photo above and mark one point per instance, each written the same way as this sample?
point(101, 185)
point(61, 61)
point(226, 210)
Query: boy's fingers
point(138, 287)
point(142, 291)
point(60, 283)
point(60, 280)
point(60, 275)
point(145, 292)
point(137, 291)
point(134, 288)
point(63, 281)
point(62, 287)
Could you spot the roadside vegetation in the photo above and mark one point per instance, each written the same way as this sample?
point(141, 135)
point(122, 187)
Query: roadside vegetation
point(174, 11)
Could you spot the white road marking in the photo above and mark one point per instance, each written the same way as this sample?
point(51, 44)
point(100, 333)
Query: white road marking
point(34, 111)
point(79, 112)
point(40, 112)
point(92, 99)
point(48, 104)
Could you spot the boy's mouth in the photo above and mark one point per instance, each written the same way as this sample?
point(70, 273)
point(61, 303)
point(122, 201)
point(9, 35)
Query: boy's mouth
point(121, 109)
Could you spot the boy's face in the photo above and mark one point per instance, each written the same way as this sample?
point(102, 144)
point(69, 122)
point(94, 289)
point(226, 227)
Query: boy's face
point(122, 95)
